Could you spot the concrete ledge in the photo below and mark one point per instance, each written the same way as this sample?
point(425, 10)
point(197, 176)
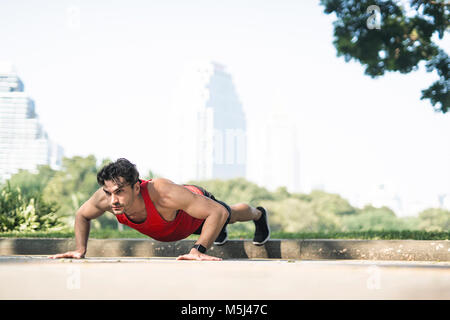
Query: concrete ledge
point(303, 249)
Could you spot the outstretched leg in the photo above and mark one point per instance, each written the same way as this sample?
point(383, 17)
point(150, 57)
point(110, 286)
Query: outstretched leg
point(244, 212)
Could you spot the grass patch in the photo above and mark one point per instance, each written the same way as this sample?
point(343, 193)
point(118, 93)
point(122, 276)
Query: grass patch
point(367, 235)
point(130, 233)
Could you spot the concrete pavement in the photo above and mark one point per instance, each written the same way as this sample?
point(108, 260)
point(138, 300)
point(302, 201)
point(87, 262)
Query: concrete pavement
point(36, 277)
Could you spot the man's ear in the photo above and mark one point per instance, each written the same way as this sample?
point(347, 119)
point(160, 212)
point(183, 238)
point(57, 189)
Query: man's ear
point(137, 187)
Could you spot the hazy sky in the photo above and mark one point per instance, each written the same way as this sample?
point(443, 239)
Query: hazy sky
point(102, 74)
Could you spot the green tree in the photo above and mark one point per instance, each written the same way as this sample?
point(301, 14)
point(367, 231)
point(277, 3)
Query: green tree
point(18, 213)
point(401, 42)
point(434, 219)
point(329, 203)
point(374, 219)
point(32, 184)
point(292, 212)
point(294, 215)
point(73, 185)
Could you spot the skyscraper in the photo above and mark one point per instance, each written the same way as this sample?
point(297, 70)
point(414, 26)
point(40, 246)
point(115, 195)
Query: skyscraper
point(275, 155)
point(210, 124)
point(23, 142)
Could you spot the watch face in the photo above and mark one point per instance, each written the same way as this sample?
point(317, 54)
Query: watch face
point(200, 248)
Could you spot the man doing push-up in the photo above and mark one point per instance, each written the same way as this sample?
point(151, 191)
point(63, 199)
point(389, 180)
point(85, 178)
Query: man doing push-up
point(163, 210)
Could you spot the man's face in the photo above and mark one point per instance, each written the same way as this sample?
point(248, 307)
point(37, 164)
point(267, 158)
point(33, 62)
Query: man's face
point(121, 195)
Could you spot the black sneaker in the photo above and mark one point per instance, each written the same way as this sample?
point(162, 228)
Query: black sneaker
point(262, 230)
point(222, 238)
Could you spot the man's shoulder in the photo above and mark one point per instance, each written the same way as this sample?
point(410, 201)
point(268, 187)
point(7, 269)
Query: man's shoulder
point(99, 200)
point(164, 193)
point(160, 186)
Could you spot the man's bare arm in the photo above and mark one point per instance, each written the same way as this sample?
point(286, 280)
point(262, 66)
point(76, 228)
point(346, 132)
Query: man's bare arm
point(175, 196)
point(91, 209)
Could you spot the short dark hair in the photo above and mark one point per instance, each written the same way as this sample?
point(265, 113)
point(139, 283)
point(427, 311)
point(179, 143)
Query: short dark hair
point(120, 168)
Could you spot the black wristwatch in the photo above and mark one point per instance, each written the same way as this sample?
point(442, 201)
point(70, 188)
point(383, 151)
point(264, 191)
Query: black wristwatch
point(200, 248)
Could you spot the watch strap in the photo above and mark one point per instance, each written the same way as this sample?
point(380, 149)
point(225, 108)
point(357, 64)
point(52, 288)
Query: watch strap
point(200, 248)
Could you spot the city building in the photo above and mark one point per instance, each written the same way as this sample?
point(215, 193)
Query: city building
point(274, 150)
point(210, 125)
point(24, 144)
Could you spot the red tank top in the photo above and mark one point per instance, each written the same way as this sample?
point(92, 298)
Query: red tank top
point(159, 229)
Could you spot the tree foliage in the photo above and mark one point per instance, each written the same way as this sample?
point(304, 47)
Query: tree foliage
point(403, 40)
point(434, 219)
point(19, 213)
point(69, 187)
point(73, 184)
point(32, 184)
point(318, 211)
point(375, 219)
point(46, 198)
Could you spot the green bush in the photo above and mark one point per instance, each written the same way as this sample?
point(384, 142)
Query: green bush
point(294, 215)
point(19, 213)
point(372, 218)
point(47, 192)
point(434, 219)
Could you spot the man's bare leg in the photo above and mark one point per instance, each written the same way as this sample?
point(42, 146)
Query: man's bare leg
point(243, 212)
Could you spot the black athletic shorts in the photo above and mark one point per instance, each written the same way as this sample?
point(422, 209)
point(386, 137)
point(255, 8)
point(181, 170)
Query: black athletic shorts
point(209, 195)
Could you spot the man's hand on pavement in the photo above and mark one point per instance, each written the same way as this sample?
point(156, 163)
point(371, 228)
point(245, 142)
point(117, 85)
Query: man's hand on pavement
point(194, 254)
point(70, 254)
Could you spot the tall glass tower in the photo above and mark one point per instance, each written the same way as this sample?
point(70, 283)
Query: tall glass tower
point(274, 148)
point(23, 142)
point(210, 125)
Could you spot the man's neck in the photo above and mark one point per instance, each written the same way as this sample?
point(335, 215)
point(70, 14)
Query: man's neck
point(137, 212)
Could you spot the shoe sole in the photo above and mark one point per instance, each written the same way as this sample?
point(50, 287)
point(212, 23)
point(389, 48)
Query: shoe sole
point(261, 243)
point(264, 241)
point(221, 243)
point(268, 227)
